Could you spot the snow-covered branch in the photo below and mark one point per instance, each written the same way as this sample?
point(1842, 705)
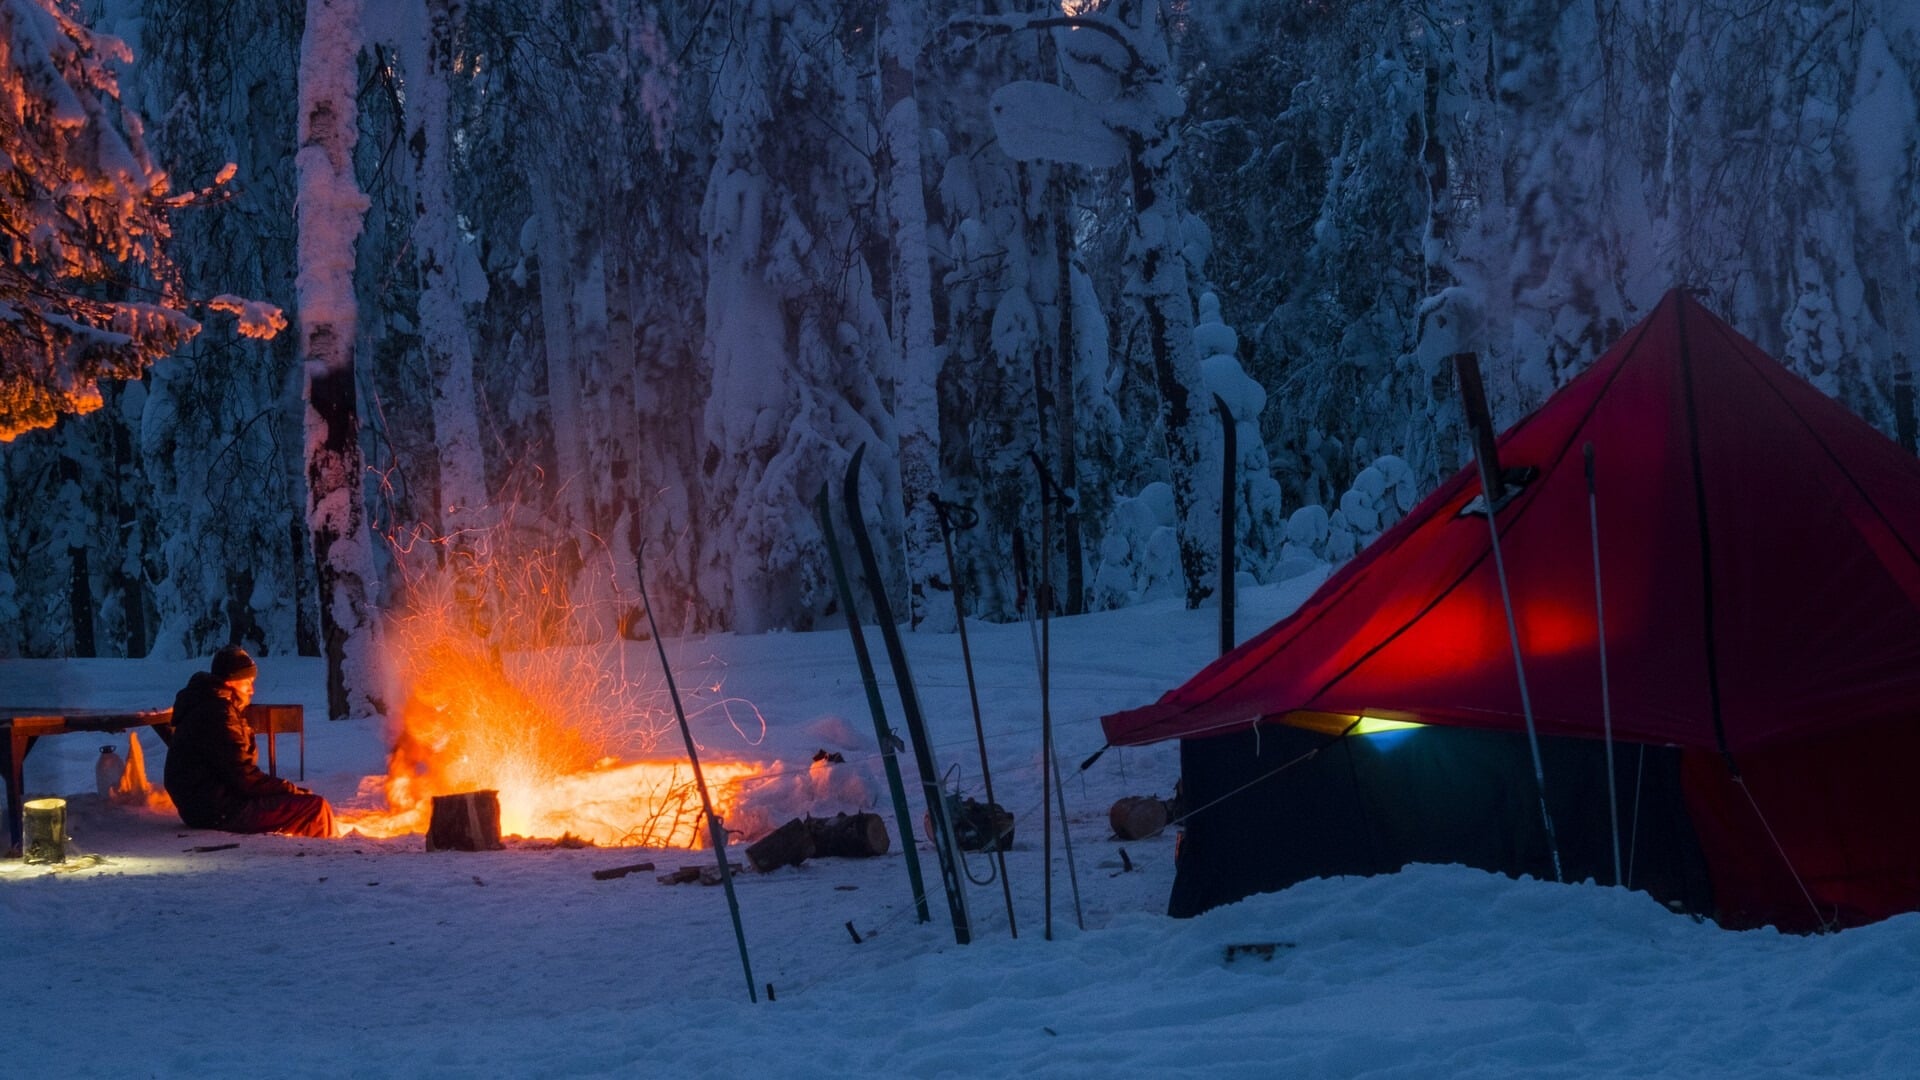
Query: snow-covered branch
point(85, 216)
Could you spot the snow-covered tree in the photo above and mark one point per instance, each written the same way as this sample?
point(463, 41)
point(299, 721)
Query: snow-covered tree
point(916, 408)
point(579, 130)
point(695, 230)
point(1258, 520)
point(331, 205)
point(119, 588)
point(798, 345)
point(450, 280)
point(84, 211)
point(1123, 108)
point(219, 542)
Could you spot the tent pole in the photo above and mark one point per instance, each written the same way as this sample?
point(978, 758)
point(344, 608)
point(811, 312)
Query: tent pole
point(1606, 697)
point(1486, 447)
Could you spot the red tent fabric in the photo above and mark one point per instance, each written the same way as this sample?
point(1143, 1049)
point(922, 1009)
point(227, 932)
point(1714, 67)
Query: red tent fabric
point(1760, 557)
point(1758, 554)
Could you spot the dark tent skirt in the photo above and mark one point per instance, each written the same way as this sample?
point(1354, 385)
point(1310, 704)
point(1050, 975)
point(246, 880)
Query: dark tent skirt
point(1371, 804)
point(1839, 810)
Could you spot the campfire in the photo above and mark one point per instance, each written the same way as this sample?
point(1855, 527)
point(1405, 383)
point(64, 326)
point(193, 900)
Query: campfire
point(496, 682)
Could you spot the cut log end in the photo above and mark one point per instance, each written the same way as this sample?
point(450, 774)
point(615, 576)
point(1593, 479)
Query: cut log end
point(469, 821)
point(849, 836)
point(1136, 818)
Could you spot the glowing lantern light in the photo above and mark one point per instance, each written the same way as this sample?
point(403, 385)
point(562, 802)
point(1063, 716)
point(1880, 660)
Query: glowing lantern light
point(1374, 725)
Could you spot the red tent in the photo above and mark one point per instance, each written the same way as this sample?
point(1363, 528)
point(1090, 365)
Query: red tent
point(1760, 559)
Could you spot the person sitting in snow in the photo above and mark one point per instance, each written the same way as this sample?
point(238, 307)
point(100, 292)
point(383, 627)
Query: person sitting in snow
point(211, 773)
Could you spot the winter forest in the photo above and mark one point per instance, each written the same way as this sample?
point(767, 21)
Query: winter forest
point(316, 309)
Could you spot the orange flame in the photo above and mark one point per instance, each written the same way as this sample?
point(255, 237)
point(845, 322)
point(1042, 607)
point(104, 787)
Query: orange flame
point(133, 789)
point(495, 691)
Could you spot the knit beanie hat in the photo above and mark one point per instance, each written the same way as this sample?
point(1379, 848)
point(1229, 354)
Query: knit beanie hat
point(232, 664)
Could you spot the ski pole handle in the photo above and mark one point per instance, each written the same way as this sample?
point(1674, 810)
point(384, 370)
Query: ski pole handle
point(953, 516)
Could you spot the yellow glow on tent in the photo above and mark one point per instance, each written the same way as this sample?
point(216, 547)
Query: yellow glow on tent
point(1374, 725)
point(1345, 724)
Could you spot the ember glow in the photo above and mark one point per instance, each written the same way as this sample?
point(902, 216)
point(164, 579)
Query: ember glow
point(497, 684)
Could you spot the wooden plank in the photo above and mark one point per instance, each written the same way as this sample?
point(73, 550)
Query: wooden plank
point(43, 721)
point(276, 719)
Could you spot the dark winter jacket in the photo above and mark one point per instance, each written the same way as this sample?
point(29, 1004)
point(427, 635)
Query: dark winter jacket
point(211, 770)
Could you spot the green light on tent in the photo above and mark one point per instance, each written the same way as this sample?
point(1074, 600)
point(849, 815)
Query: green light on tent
point(1374, 725)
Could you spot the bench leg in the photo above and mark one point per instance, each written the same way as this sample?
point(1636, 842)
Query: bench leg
point(16, 759)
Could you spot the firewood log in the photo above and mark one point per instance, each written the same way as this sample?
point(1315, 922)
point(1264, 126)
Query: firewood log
point(613, 872)
point(1136, 818)
point(789, 845)
point(853, 836)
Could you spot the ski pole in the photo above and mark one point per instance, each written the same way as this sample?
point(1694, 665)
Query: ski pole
point(1066, 842)
point(1606, 699)
point(716, 832)
point(954, 516)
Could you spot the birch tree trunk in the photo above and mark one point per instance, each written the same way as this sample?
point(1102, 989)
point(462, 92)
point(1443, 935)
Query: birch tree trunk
point(331, 207)
point(462, 506)
point(916, 403)
point(563, 373)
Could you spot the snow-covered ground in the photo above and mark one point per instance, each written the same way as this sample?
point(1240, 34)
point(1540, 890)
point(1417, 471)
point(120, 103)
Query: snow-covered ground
point(358, 957)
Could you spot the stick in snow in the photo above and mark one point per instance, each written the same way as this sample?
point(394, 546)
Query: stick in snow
point(714, 828)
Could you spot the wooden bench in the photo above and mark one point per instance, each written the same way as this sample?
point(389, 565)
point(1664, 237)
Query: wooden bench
point(23, 727)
